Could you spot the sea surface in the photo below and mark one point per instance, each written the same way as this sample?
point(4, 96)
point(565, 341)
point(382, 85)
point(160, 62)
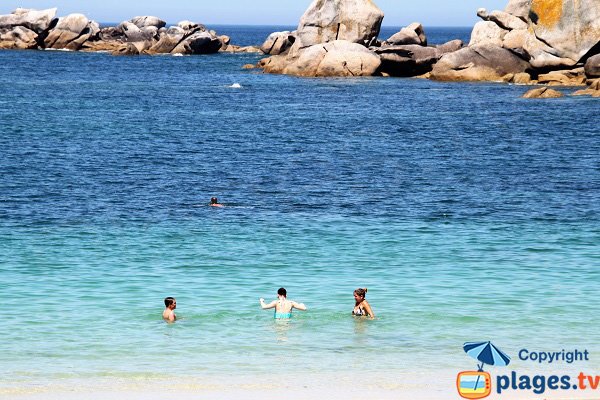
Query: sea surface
point(469, 214)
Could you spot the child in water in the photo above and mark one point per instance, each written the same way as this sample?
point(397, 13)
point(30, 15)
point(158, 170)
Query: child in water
point(283, 306)
point(168, 313)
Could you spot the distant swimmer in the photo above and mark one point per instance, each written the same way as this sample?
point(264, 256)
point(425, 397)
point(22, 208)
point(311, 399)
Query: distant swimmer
point(170, 305)
point(362, 308)
point(214, 202)
point(283, 306)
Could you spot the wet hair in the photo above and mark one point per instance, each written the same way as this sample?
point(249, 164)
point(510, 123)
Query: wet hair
point(169, 301)
point(282, 292)
point(214, 200)
point(361, 292)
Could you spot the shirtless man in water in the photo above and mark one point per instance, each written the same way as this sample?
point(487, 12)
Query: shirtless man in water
point(283, 306)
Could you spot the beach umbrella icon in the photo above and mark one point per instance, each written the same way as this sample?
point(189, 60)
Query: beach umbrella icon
point(487, 353)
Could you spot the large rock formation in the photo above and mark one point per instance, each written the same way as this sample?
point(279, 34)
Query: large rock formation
point(324, 21)
point(18, 38)
point(71, 32)
point(34, 20)
point(481, 62)
point(27, 29)
point(570, 28)
point(537, 36)
point(20, 30)
point(412, 60)
point(337, 58)
point(548, 33)
point(278, 42)
point(331, 40)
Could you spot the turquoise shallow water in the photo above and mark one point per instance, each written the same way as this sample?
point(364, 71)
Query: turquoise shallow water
point(470, 214)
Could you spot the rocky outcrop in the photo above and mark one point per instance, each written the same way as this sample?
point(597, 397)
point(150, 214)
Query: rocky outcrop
point(18, 38)
point(331, 40)
point(483, 62)
point(148, 21)
point(592, 67)
point(21, 29)
point(357, 21)
point(240, 49)
point(592, 90)
point(27, 29)
point(412, 34)
point(487, 32)
point(550, 34)
point(71, 32)
point(571, 77)
point(34, 20)
point(570, 28)
point(199, 42)
point(551, 38)
point(278, 43)
point(337, 58)
point(542, 93)
point(412, 60)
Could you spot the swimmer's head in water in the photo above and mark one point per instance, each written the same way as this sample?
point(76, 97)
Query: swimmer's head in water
point(360, 292)
point(214, 200)
point(169, 301)
point(282, 292)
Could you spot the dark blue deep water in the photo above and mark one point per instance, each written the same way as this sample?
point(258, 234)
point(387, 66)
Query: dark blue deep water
point(470, 213)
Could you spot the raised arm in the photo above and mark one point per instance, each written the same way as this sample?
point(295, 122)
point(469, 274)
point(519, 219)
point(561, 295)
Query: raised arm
point(265, 306)
point(299, 306)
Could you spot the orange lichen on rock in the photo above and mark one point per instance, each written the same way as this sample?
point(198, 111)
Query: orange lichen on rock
point(549, 12)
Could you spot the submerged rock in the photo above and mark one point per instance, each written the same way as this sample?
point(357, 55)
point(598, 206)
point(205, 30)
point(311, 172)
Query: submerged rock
point(542, 93)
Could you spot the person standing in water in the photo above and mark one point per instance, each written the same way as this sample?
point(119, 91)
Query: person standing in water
point(283, 307)
point(214, 202)
point(362, 308)
point(168, 313)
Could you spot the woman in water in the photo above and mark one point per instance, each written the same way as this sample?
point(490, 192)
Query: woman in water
point(283, 306)
point(362, 308)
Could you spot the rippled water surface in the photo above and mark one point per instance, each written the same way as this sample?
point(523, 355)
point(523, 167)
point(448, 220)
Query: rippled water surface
point(469, 213)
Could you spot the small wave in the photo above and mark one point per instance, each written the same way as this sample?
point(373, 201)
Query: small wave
point(66, 50)
point(236, 86)
point(177, 55)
